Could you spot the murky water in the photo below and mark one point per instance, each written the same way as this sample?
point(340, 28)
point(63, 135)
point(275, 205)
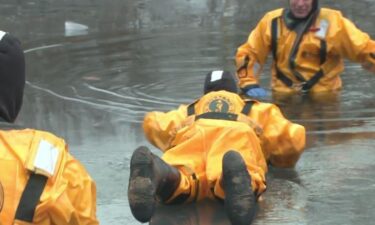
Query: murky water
point(94, 68)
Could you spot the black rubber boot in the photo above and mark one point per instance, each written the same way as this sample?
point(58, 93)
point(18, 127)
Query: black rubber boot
point(239, 199)
point(150, 178)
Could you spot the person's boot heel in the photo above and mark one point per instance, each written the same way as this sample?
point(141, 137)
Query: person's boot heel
point(239, 198)
point(141, 191)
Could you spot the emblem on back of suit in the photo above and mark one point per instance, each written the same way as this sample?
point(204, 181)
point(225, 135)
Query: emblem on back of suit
point(219, 104)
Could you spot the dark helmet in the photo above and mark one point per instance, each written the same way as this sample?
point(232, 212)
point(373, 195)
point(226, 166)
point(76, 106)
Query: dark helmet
point(218, 80)
point(12, 76)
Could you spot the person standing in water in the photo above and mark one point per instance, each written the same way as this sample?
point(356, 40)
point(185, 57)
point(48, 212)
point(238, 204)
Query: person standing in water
point(308, 45)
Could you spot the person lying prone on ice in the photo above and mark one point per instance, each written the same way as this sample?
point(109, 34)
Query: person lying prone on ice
point(216, 147)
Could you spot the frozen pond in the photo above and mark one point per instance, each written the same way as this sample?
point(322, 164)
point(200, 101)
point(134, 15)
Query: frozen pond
point(94, 67)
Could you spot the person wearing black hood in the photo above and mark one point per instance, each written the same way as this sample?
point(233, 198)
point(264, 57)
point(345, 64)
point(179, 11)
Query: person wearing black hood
point(217, 147)
point(40, 181)
point(308, 45)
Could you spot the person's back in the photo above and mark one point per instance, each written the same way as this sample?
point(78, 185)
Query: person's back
point(223, 110)
point(215, 123)
point(40, 182)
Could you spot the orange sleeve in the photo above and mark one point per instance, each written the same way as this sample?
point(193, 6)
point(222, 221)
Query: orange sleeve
point(160, 128)
point(282, 141)
point(252, 55)
point(79, 200)
point(354, 44)
point(71, 199)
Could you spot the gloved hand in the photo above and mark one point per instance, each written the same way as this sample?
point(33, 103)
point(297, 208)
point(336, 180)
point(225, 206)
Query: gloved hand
point(256, 92)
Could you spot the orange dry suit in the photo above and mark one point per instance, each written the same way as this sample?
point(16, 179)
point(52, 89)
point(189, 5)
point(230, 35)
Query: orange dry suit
point(195, 137)
point(41, 183)
point(309, 59)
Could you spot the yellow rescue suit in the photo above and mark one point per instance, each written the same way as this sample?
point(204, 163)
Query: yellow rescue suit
point(195, 137)
point(33, 160)
point(318, 58)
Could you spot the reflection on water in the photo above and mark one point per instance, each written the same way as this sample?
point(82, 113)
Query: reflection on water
point(327, 118)
point(204, 213)
point(94, 68)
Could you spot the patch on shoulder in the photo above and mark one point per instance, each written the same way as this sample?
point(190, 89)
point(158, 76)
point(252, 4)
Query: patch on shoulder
point(1, 197)
point(323, 29)
point(219, 104)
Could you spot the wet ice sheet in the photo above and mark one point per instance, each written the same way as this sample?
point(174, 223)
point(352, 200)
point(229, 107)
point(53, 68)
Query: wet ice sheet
point(135, 56)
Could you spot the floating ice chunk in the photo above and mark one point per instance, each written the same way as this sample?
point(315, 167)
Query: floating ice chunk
point(2, 33)
point(75, 29)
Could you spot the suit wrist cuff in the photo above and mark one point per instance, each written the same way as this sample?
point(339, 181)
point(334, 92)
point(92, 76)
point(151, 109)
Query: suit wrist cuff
point(251, 86)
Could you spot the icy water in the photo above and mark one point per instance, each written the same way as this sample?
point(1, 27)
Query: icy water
point(94, 67)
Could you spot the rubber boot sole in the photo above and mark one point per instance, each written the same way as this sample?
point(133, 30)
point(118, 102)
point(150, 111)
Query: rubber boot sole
point(141, 191)
point(239, 199)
